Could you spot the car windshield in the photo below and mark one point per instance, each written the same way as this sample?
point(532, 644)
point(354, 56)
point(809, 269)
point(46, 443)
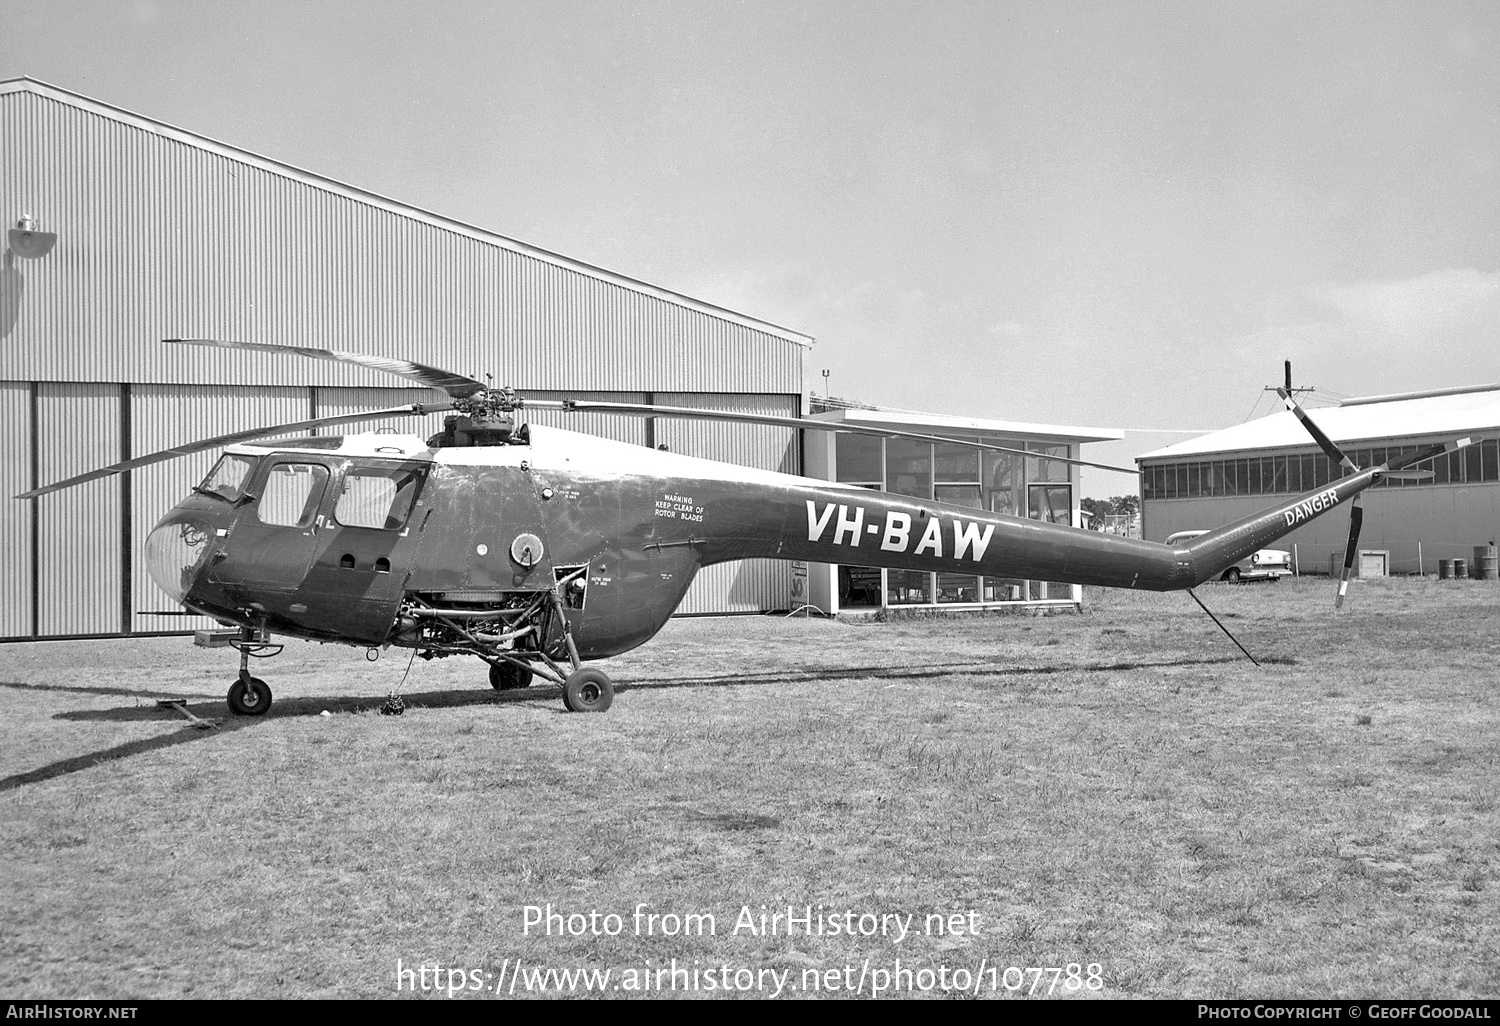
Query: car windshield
point(227, 479)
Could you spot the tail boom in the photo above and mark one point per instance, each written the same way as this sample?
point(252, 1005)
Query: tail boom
point(782, 517)
point(1211, 554)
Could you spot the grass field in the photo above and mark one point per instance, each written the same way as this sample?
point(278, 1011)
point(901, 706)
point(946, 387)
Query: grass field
point(1118, 789)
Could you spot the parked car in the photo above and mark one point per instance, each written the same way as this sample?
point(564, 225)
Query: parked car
point(1262, 565)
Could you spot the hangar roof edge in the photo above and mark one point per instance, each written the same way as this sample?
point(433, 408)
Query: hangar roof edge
point(27, 84)
point(1446, 411)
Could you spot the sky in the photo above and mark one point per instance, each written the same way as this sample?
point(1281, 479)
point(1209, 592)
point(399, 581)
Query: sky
point(1119, 215)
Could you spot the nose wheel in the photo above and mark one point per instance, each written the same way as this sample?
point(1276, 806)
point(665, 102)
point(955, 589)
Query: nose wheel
point(249, 696)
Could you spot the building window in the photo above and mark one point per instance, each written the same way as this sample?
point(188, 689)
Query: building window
point(1277, 475)
point(908, 467)
point(859, 459)
point(956, 475)
point(1004, 589)
point(1052, 503)
point(908, 587)
point(1279, 470)
point(1044, 469)
point(957, 588)
point(1002, 483)
point(859, 587)
point(955, 464)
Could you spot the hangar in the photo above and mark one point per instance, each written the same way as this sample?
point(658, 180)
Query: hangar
point(128, 230)
point(1219, 477)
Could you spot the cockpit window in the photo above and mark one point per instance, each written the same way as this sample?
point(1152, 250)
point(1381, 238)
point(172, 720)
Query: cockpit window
point(292, 493)
point(379, 497)
point(227, 479)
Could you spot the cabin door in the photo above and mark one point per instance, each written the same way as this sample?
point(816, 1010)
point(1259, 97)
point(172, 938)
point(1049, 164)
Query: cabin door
point(274, 539)
point(371, 534)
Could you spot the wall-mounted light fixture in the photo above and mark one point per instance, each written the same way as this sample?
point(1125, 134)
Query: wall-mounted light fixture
point(28, 242)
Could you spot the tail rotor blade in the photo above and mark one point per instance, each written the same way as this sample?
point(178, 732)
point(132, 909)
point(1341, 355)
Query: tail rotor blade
point(1356, 520)
point(1324, 442)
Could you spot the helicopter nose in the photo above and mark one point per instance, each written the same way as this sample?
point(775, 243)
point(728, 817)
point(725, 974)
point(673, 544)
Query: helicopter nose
point(175, 551)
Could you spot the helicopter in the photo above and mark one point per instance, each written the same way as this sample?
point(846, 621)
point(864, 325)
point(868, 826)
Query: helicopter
point(541, 550)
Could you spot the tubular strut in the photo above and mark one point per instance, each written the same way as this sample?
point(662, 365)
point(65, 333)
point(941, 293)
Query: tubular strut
point(1215, 619)
point(254, 643)
point(562, 614)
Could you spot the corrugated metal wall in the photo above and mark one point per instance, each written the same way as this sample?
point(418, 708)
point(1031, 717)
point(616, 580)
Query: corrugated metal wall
point(160, 237)
point(621, 427)
point(79, 532)
point(333, 402)
point(164, 234)
point(15, 517)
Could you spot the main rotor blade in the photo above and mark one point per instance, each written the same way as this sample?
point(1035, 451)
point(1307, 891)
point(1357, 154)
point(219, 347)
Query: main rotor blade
point(219, 441)
point(647, 410)
point(1324, 442)
point(1356, 519)
point(456, 385)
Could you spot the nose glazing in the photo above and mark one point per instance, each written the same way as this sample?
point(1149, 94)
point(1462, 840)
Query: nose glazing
point(174, 553)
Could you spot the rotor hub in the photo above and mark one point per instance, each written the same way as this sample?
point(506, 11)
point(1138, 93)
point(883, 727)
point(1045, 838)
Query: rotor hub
point(485, 417)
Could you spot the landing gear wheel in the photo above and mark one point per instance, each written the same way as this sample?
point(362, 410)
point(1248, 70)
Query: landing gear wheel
point(1232, 575)
point(509, 676)
point(250, 697)
point(588, 690)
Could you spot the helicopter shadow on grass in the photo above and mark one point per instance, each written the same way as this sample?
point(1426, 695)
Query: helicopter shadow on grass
point(152, 694)
point(214, 722)
point(120, 751)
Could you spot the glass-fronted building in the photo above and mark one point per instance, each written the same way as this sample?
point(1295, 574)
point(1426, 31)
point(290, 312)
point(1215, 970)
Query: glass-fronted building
point(1040, 487)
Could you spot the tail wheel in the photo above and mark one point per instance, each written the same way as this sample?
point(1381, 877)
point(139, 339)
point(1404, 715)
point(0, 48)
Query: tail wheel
point(509, 676)
point(249, 697)
point(588, 690)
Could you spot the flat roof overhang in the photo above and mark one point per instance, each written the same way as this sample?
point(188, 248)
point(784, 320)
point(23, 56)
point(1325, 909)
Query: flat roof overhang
point(938, 424)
